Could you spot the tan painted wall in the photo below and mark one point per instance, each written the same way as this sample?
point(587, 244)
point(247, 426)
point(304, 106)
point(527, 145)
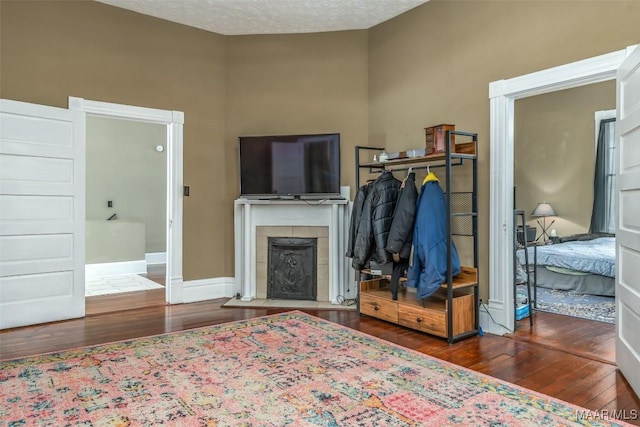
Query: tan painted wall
point(434, 64)
point(302, 83)
point(428, 66)
point(51, 50)
point(282, 84)
point(555, 153)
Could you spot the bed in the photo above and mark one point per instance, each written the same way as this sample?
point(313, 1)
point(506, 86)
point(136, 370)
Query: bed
point(585, 265)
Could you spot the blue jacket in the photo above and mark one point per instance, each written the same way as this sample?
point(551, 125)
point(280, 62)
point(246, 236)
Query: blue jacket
point(429, 268)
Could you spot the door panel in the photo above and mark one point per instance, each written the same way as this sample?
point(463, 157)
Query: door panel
point(630, 150)
point(20, 131)
point(42, 181)
point(22, 215)
point(15, 208)
point(35, 174)
point(630, 211)
point(628, 229)
point(630, 261)
point(29, 287)
point(35, 253)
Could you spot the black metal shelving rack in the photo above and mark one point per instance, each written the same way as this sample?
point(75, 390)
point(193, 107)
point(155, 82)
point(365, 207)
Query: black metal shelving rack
point(462, 210)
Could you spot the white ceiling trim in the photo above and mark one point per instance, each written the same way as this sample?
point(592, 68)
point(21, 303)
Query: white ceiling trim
point(238, 17)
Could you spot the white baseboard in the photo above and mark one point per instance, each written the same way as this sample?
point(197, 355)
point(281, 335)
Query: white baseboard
point(153, 258)
point(92, 271)
point(206, 289)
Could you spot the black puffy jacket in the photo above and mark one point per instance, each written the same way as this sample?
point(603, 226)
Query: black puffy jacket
point(375, 222)
point(356, 213)
point(401, 232)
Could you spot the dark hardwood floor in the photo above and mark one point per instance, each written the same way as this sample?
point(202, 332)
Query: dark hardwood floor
point(130, 300)
point(157, 273)
point(567, 358)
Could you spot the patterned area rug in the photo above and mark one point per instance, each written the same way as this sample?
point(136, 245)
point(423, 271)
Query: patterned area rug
point(287, 369)
point(592, 307)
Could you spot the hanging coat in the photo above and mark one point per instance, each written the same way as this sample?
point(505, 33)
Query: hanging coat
point(375, 221)
point(401, 232)
point(430, 253)
point(356, 213)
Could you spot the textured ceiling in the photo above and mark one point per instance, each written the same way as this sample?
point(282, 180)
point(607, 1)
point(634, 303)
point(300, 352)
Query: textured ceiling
point(235, 17)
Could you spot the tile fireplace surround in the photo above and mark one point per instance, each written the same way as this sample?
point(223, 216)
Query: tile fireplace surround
point(322, 258)
point(326, 220)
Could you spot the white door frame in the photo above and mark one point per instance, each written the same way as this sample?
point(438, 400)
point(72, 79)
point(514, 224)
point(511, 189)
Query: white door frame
point(498, 318)
point(174, 121)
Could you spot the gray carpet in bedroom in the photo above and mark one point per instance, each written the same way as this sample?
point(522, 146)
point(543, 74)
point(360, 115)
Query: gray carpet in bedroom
point(592, 307)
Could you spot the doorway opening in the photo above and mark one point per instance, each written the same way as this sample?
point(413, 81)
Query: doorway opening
point(499, 315)
point(151, 258)
point(571, 266)
point(126, 200)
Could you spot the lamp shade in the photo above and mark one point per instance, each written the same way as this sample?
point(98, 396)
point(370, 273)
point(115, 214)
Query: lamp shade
point(543, 209)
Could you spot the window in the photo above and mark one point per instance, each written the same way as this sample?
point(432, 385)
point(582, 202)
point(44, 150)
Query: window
point(603, 216)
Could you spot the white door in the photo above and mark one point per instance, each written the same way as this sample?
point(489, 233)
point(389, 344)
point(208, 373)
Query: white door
point(42, 179)
point(628, 229)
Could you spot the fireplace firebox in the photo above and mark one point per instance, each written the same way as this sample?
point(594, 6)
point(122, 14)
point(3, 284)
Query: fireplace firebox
point(292, 265)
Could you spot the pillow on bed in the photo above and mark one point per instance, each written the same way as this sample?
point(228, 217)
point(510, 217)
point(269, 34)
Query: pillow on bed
point(584, 236)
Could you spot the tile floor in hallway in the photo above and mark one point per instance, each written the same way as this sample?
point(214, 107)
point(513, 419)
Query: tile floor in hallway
point(117, 284)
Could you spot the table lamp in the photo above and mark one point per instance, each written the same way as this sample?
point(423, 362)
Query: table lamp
point(544, 209)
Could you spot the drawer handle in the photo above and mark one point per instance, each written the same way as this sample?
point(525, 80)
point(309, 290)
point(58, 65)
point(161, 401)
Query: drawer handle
point(376, 308)
point(419, 319)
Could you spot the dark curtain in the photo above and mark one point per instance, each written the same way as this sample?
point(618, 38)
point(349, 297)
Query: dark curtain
point(604, 160)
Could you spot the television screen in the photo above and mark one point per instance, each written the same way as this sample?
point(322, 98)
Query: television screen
point(290, 165)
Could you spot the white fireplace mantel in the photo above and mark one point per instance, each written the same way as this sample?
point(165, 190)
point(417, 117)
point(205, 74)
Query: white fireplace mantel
point(252, 213)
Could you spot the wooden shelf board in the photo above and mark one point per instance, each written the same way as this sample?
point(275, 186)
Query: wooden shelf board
point(468, 277)
point(414, 160)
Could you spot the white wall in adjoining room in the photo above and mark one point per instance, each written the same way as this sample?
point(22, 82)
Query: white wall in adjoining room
point(125, 167)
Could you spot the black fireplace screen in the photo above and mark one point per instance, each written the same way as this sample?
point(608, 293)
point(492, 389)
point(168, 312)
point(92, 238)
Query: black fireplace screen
point(292, 268)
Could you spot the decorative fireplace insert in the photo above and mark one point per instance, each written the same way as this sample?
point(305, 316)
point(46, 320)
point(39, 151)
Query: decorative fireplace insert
point(292, 265)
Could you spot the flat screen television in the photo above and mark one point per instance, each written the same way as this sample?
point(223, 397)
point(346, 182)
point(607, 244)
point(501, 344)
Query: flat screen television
point(290, 165)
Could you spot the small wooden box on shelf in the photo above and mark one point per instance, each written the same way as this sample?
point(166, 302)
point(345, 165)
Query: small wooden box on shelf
point(435, 137)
